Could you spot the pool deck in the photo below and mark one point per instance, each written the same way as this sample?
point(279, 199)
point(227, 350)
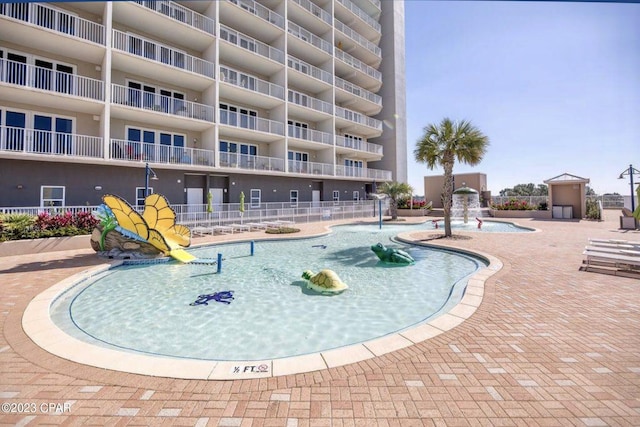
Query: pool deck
point(548, 345)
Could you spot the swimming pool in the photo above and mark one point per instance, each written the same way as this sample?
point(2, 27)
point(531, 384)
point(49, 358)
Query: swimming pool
point(146, 308)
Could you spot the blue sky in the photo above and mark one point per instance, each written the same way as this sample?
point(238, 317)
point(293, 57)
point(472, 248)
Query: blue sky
point(554, 85)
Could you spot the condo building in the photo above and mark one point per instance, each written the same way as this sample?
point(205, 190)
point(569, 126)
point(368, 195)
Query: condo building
point(283, 100)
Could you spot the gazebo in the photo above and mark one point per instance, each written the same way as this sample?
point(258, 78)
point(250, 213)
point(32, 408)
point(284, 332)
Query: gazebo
point(567, 196)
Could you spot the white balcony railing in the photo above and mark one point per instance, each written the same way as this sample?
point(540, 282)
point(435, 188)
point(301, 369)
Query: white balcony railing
point(361, 14)
point(309, 69)
point(358, 91)
point(55, 20)
point(137, 98)
point(309, 135)
point(181, 14)
point(247, 161)
point(379, 174)
point(356, 117)
point(316, 10)
point(35, 141)
point(305, 100)
point(157, 52)
point(369, 147)
point(311, 168)
point(358, 172)
point(353, 35)
point(260, 11)
point(136, 151)
point(309, 37)
point(237, 78)
point(247, 121)
point(18, 73)
point(359, 65)
point(251, 44)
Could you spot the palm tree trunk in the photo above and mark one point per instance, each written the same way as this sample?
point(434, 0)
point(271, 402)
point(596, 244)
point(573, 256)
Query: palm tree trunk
point(447, 195)
point(394, 209)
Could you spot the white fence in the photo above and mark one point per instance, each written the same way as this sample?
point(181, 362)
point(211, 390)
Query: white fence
point(609, 201)
point(229, 213)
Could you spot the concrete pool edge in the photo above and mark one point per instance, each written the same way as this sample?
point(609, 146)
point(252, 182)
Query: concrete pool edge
point(39, 327)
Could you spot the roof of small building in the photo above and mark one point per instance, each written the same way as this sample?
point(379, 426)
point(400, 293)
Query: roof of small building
point(566, 178)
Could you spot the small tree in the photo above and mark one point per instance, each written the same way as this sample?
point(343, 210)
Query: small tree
point(395, 191)
point(441, 145)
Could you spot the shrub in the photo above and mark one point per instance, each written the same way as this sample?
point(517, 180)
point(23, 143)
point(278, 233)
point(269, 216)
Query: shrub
point(282, 230)
point(16, 226)
point(514, 205)
point(543, 206)
point(23, 226)
point(593, 211)
point(406, 204)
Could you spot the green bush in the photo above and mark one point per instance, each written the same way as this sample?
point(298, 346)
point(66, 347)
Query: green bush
point(593, 211)
point(24, 226)
point(282, 230)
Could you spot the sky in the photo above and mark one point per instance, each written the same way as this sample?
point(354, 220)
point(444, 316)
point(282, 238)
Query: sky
point(554, 85)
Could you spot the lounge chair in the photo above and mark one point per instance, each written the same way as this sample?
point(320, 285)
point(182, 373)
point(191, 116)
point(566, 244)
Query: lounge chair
point(240, 227)
point(612, 257)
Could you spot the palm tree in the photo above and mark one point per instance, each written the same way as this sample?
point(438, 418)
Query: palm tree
point(441, 145)
point(395, 190)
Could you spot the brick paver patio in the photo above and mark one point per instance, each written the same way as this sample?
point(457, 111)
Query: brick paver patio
point(549, 345)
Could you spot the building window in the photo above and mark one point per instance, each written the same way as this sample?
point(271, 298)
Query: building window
point(140, 196)
point(51, 195)
point(356, 196)
point(336, 196)
point(255, 197)
point(293, 197)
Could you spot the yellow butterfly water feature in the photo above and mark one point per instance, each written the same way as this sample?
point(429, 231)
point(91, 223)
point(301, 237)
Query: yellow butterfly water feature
point(157, 224)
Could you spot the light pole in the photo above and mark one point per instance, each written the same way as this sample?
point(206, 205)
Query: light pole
point(147, 172)
point(631, 171)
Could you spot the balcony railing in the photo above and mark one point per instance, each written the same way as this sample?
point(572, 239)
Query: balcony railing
point(260, 11)
point(361, 14)
point(247, 161)
point(18, 73)
point(251, 44)
point(311, 168)
point(136, 151)
point(180, 14)
point(56, 20)
point(309, 134)
point(35, 141)
point(358, 118)
point(309, 69)
point(353, 35)
point(369, 147)
point(358, 91)
point(316, 10)
point(359, 65)
point(377, 174)
point(160, 53)
point(247, 121)
point(305, 100)
point(137, 98)
point(236, 78)
point(309, 37)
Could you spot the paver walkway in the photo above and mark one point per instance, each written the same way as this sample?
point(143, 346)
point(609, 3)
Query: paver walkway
point(549, 345)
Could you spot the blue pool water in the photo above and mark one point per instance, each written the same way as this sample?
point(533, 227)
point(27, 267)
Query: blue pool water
point(146, 308)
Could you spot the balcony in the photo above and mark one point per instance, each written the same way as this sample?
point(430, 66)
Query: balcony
point(249, 162)
point(311, 108)
point(158, 109)
point(364, 24)
point(135, 151)
point(307, 38)
point(309, 135)
point(360, 123)
point(310, 15)
point(366, 50)
point(252, 17)
point(366, 101)
point(239, 125)
point(57, 31)
point(47, 143)
point(308, 76)
point(366, 76)
point(356, 172)
point(145, 57)
point(310, 168)
point(249, 47)
point(80, 93)
point(362, 149)
point(236, 85)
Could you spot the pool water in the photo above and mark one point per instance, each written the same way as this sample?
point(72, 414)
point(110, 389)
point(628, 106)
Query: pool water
point(146, 308)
